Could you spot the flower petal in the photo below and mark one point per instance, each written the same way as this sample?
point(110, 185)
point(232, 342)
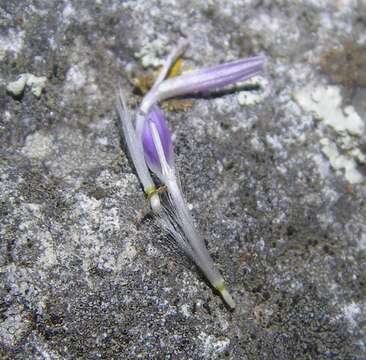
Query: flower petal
point(151, 155)
point(210, 79)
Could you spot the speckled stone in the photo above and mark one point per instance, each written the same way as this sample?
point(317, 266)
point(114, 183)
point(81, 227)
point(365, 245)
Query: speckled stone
point(80, 279)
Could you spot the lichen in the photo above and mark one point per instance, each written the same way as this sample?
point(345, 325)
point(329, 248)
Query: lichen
point(343, 152)
point(36, 84)
point(326, 102)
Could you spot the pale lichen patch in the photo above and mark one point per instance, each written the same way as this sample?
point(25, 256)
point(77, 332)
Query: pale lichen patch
point(151, 53)
point(17, 87)
point(325, 102)
point(36, 84)
point(340, 162)
point(343, 152)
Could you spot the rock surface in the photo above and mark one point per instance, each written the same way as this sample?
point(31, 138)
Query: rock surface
point(284, 220)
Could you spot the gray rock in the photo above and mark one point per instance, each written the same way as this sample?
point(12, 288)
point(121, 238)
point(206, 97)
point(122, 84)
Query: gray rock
point(81, 280)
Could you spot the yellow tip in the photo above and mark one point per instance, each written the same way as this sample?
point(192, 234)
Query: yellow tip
point(228, 299)
point(149, 191)
point(225, 295)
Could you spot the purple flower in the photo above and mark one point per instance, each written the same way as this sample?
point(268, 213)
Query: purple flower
point(150, 146)
point(156, 117)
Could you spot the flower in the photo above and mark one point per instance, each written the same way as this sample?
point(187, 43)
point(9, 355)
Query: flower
point(150, 145)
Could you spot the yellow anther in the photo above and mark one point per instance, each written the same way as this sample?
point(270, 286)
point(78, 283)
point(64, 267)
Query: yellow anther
point(176, 68)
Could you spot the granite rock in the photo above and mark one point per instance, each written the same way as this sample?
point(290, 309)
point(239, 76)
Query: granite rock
point(284, 221)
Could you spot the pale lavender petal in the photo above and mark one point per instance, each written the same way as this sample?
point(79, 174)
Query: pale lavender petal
point(172, 57)
point(134, 147)
point(241, 63)
point(210, 79)
point(157, 117)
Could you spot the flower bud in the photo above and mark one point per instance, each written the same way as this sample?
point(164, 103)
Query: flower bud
point(156, 116)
